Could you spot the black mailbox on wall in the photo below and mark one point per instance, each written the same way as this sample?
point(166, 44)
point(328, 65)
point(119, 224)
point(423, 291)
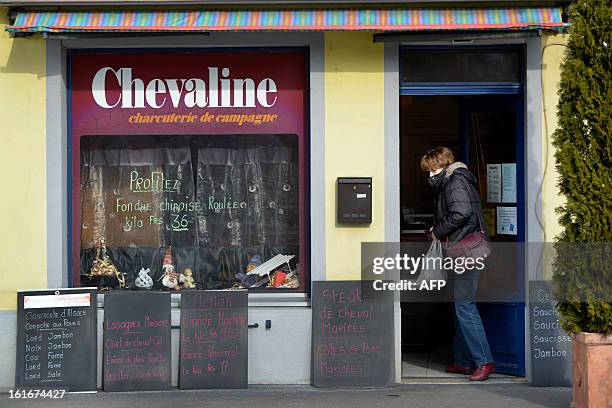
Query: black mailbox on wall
point(354, 196)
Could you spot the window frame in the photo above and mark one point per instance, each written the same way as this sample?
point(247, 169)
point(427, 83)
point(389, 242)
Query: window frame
point(304, 167)
point(464, 87)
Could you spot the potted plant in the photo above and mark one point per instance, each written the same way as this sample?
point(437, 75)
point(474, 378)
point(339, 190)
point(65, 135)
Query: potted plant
point(582, 268)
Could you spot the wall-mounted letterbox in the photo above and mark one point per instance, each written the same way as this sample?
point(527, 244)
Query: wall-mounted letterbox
point(354, 195)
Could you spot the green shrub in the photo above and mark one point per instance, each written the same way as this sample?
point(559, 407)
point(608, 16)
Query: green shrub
point(583, 156)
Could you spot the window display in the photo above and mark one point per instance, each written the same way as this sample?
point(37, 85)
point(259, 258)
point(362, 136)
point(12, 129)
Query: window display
point(189, 168)
point(181, 212)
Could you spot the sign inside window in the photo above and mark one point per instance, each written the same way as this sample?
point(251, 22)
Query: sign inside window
point(217, 201)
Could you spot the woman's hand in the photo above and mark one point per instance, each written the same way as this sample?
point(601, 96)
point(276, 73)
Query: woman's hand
point(432, 235)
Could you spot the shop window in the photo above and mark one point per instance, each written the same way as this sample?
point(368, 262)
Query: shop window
point(475, 65)
point(177, 212)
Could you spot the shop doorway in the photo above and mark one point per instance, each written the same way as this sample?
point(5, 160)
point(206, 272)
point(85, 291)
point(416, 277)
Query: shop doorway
point(485, 131)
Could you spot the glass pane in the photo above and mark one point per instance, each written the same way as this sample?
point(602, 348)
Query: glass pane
point(461, 66)
point(208, 205)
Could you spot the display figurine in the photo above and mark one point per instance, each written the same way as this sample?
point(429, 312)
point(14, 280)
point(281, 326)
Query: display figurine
point(291, 283)
point(186, 279)
point(169, 277)
point(245, 281)
point(103, 266)
point(144, 280)
point(254, 262)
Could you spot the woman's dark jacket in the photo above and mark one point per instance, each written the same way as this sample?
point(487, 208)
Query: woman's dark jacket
point(457, 201)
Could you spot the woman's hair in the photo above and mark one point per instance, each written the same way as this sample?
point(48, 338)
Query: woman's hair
point(437, 158)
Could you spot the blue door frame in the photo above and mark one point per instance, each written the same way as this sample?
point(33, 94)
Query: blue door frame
point(504, 321)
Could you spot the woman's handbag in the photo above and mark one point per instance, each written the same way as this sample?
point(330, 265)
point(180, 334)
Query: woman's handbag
point(474, 245)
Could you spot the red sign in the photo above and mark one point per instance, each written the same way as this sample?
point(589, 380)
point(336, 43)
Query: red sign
point(208, 92)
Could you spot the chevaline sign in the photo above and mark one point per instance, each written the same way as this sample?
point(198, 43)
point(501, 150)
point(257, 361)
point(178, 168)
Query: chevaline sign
point(207, 92)
point(225, 92)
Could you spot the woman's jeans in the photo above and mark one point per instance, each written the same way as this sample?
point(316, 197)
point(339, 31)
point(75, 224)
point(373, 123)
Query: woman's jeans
point(470, 346)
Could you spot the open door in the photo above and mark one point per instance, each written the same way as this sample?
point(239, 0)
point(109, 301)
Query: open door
point(483, 131)
point(470, 99)
point(493, 147)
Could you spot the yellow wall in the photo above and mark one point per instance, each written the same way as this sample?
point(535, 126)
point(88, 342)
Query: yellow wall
point(551, 65)
point(23, 250)
point(553, 49)
point(354, 142)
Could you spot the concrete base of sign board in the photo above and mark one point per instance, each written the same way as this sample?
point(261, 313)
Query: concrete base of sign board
point(592, 369)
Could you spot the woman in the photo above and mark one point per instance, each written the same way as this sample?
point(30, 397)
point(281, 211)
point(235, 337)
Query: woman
point(457, 201)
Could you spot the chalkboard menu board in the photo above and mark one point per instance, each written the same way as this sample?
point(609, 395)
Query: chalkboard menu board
point(214, 339)
point(352, 335)
point(551, 346)
point(56, 339)
point(136, 341)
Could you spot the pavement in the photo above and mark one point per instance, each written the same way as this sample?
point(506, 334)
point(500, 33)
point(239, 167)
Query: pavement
point(519, 395)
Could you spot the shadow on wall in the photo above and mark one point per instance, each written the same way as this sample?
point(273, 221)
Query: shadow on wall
point(21, 55)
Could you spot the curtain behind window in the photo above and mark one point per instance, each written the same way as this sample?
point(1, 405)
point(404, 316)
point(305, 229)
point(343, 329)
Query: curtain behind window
point(124, 193)
point(241, 201)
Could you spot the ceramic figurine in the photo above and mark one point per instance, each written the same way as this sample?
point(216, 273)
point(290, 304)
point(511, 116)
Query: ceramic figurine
point(170, 277)
point(144, 280)
point(254, 262)
point(186, 278)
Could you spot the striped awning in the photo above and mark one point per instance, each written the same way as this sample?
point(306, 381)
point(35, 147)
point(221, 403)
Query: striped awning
point(396, 19)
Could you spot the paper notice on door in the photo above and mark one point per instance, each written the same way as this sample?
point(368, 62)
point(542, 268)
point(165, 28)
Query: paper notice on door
point(508, 182)
point(494, 180)
point(506, 221)
point(489, 219)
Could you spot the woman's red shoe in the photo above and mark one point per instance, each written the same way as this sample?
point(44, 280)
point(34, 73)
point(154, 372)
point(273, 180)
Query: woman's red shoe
point(483, 372)
point(458, 369)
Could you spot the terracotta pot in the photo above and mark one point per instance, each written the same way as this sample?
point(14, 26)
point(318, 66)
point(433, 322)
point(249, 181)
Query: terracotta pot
point(592, 371)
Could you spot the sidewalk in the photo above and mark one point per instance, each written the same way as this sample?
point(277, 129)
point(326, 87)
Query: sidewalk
point(302, 396)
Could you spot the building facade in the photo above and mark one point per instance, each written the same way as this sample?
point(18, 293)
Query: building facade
point(340, 101)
